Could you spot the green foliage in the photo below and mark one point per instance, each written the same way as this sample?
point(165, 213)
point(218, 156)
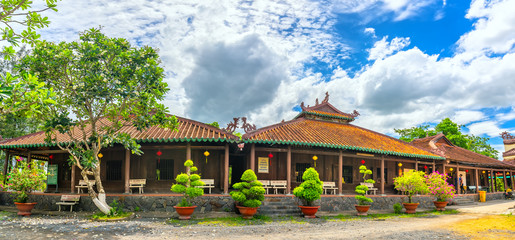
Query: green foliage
point(361, 190)
point(249, 193)
point(311, 189)
point(25, 178)
point(214, 124)
point(499, 185)
point(397, 208)
point(411, 182)
point(453, 132)
point(116, 211)
point(187, 184)
point(101, 84)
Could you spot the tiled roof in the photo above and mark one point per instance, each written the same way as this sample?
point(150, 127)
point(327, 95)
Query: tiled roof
point(187, 131)
point(317, 133)
point(441, 146)
point(328, 114)
point(509, 153)
point(512, 162)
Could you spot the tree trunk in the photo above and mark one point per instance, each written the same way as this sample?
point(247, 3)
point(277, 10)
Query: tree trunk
point(99, 199)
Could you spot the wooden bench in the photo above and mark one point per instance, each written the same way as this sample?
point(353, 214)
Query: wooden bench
point(266, 185)
point(208, 183)
point(83, 185)
point(329, 186)
point(371, 187)
point(472, 189)
point(278, 185)
point(68, 200)
point(137, 183)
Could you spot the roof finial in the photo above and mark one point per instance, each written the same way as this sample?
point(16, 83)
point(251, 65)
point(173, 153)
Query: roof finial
point(506, 135)
point(302, 105)
point(326, 99)
point(316, 102)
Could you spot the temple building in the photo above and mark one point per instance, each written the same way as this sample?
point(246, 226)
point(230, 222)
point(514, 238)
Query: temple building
point(320, 136)
point(509, 148)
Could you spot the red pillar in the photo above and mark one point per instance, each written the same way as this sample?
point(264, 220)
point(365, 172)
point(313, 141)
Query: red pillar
point(288, 171)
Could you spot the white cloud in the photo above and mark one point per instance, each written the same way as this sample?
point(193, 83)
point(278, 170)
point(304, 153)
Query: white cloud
point(494, 29)
point(383, 48)
point(489, 128)
point(402, 9)
point(468, 116)
point(370, 31)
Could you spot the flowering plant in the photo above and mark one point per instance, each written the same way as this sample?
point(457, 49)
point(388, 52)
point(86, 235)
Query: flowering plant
point(438, 186)
point(25, 178)
point(411, 182)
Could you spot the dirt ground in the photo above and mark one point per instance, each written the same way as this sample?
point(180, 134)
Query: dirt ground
point(482, 221)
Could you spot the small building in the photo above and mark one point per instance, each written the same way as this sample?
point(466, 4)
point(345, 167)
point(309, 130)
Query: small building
point(475, 169)
point(509, 148)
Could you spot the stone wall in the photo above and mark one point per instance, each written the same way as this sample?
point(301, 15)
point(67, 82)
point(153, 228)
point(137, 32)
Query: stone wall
point(225, 203)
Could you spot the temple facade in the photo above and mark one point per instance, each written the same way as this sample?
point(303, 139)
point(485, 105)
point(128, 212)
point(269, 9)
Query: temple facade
point(320, 136)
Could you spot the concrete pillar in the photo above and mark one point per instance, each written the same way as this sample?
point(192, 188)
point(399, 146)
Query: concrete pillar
point(340, 173)
point(253, 157)
point(6, 164)
point(477, 179)
point(127, 170)
point(505, 182)
point(458, 185)
point(226, 168)
point(382, 175)
point(492, 181)
point(188, 151)
point(288, 171)
point(416, 165)
point(72, 185)
point(434, 166)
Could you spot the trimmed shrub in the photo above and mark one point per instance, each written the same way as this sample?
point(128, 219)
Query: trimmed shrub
point(311, 189)
point(250, 192)
point(187, 184)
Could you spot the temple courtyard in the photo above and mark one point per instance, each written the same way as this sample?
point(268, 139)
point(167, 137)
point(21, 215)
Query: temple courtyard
point(489, 220)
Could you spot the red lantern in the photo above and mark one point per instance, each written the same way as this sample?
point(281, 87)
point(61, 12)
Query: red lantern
point(51, 157)
point(363, 161)
point(425, 166)
point(467, 170)
point(270, 155)
point(159, 153)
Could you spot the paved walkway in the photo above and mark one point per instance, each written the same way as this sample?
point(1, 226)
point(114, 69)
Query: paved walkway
point(489, 207)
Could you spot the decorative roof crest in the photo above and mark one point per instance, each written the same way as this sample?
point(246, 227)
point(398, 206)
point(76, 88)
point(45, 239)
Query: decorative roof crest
point(506, 135)
point(247, 127)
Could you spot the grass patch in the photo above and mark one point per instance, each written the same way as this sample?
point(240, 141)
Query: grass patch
point(222, 221)
point(383, 216)
point(103, 217)
point(488, 227)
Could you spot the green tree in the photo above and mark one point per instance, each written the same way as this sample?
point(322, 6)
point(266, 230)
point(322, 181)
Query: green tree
point(18, 24)
point(453, 132)
point(102, 84)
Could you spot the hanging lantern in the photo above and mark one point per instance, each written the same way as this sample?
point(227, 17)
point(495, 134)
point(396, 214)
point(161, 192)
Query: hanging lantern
point(362, 161)
point(100, 155)
point(241, 146)
point(466, 170)
point(400, 164)
point(159, 153)
point(51, 157)
point(206, 153)
point(450, 169)
point(270, 155)
point(315, 158)
point(425, 167)
point(483, 171)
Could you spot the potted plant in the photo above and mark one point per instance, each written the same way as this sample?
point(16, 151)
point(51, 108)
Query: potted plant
point(23, 179)
point(187, 184)
point(411, 182)
point(363, 202)
point(439, 188)
point(309, 191)
point(248, 195)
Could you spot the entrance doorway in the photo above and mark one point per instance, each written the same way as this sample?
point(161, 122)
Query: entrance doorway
point(237, 165)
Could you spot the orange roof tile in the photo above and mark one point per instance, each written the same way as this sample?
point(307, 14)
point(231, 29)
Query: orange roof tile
point(441, 146)
point(309, 132)
point(187, 130)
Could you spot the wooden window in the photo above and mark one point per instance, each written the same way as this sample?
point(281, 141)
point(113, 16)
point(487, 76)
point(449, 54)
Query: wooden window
point(347, 174)
point(164, 169)
point(114, 170)
point(385, 174)
point(300, 168)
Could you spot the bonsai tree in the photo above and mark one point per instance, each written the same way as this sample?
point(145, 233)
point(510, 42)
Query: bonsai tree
point(361, 190)
point(187, 184)
point(25, 178)
point(249, 193)
point(311, 189)
point(411, 182)
point(439, 188)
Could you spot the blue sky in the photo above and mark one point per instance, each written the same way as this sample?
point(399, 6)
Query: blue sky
point(400, 63)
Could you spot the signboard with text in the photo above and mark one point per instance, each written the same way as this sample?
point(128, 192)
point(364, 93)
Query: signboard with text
point(263, 165)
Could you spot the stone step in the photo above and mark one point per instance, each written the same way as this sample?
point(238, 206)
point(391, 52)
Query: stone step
point(280, 212)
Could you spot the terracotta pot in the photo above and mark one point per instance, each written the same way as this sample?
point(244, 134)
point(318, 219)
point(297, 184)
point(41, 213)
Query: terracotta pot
point(362, 209)
point(410, 207)
point(440, 206)
point(247, 212)
point(185, 212)
point(309, 211)
point(25, 208)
